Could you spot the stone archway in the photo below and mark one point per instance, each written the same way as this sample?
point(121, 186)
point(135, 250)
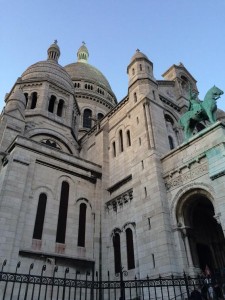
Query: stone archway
point(204, 236)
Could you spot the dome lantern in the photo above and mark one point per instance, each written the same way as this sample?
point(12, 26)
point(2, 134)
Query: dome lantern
point(82, 54)
point(54, 52)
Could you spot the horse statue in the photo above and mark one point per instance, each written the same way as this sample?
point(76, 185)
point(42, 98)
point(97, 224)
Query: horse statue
point(200, 111)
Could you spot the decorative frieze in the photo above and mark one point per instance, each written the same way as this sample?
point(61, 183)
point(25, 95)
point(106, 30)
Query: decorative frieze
point(177, 179)
point(118, 203)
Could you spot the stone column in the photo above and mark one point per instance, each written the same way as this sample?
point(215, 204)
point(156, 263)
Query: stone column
point(29, 102)
point(184, 235)
point(149, 125)
point(55, 107)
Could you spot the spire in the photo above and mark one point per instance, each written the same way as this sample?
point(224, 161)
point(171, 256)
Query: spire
point(54, 52)
point(82, 54)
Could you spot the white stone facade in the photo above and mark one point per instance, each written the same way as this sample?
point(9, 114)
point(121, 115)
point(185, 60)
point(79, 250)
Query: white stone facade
point(138, 182)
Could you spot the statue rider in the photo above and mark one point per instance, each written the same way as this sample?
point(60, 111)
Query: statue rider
point(194, 104)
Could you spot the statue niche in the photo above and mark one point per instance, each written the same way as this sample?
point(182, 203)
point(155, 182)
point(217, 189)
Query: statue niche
point(200, 110)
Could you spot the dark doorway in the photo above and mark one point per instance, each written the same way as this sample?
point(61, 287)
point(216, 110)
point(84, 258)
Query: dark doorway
point(206, 238)
point(204, 256)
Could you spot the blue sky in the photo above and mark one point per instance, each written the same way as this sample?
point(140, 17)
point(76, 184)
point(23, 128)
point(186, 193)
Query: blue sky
point(167, 31)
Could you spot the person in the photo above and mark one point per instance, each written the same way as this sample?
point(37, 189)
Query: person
point(218, 292)
point(196, 295)
point(210, 292)
point(204, 291)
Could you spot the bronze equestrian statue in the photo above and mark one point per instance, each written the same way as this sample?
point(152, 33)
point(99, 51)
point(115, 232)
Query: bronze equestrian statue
point(200, 111)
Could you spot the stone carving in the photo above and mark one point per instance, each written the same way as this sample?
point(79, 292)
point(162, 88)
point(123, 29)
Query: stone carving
point(118, 202)
point(174, 182)
point(200, 110)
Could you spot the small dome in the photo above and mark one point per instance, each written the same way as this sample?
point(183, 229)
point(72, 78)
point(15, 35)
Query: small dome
point(51, 71)
point(138, 54)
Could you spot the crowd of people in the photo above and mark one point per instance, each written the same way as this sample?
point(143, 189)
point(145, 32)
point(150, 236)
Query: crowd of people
point(210, 288)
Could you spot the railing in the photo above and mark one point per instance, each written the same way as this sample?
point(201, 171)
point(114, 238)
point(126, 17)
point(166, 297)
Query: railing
point(18, 286)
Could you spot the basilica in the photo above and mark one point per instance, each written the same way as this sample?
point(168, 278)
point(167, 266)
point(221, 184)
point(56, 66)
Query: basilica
point(98, 183)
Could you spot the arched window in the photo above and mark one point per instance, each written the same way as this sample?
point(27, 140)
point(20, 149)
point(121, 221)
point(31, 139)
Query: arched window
point(33, 100)
point(117, 252)
point(130, 249)
point(140, 67)
point(60, 108)
point(169, 119)
point(82, 225)
point(121, 140)
point(87, 118)
point(62, 217)
point(184, 82)
point(51, 104)
point(26, 97)
point(135, 97)
point(128, 138)
point(171, 142)
point(40, 216)
point(100, 116)
point(133, 71)
point(114, 149)
point(76, 84)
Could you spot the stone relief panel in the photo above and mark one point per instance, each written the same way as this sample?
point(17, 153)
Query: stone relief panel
point(186, 173)
point(118, 203)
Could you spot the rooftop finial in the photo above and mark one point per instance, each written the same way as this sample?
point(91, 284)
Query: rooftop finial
point(82, 53)
point(138, 50)
point(54, 52)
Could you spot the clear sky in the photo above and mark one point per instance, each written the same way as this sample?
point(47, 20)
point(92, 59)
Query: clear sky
point(167, 31)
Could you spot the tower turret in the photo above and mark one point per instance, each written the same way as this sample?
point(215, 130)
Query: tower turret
point(140, 67)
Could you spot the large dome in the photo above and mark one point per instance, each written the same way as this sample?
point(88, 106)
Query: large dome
point(87, 72)
point(49, 70)
point(82, 71)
